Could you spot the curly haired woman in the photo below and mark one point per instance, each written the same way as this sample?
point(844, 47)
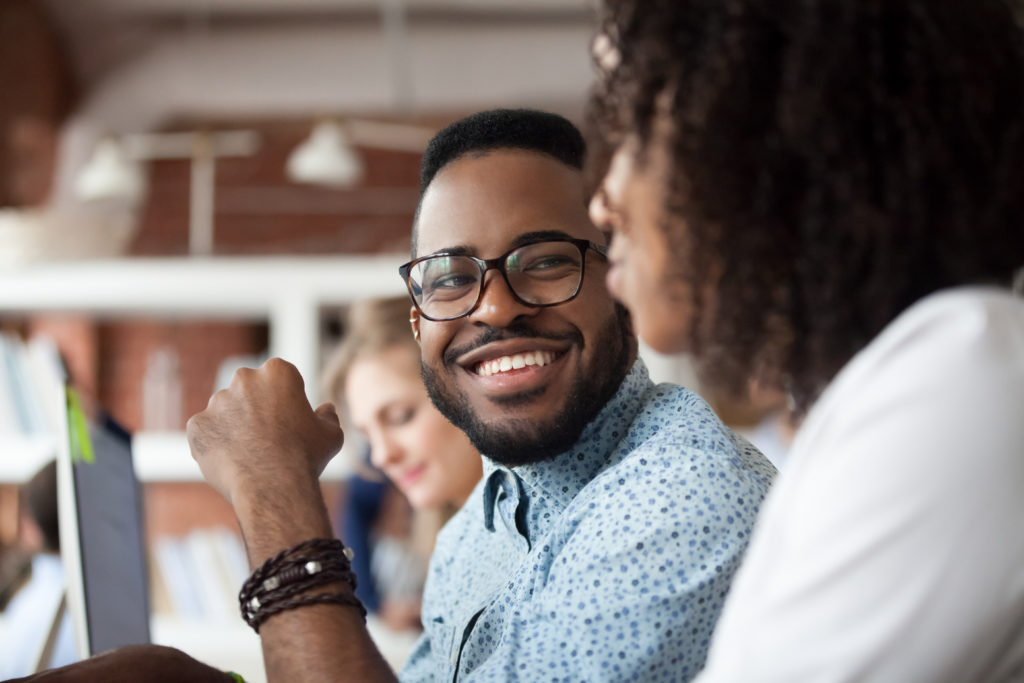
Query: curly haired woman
point(829, 195)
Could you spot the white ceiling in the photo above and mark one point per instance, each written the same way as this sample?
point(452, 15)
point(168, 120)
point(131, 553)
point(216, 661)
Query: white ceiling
point(103, 33)
point(298, 6)
point(146, 63)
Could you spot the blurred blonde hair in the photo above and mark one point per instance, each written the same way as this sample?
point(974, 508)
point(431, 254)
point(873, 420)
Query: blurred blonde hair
point(370, 327)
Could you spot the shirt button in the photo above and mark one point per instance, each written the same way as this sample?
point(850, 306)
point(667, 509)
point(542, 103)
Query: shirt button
point(455, 658)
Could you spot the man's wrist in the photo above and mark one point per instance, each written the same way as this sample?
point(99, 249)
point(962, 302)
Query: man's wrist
point(281, 516)
point(252, 489)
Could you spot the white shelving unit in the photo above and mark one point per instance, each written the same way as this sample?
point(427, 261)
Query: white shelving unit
point(287, 292)
point(22, 456)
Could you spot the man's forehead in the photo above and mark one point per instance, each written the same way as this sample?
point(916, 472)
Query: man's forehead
point(479, 204)
point(518, 240)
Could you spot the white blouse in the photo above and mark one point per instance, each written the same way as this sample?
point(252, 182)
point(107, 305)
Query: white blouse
point(892, 546)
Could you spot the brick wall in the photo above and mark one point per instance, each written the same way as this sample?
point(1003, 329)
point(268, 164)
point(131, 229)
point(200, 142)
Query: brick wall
point(258, 212)
point(175, 508)
point(200, 346)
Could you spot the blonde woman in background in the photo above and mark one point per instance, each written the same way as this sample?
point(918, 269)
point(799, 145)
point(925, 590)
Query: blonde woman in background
point(432, 467)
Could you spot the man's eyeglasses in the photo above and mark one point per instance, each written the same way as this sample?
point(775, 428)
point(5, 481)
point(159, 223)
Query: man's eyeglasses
point(449, 286)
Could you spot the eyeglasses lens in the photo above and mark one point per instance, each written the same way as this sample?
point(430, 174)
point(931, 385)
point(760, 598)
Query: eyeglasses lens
point(543, 273)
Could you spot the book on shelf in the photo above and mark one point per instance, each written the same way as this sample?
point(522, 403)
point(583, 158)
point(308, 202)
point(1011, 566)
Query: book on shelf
point(178, 576)
point(197, 576)
point(10, 420)
point(29, 371)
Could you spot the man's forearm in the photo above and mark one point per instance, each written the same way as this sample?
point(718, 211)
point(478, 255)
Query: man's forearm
point(317, 642)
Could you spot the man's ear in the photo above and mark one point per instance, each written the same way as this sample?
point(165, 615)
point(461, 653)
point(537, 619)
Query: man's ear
point(414, 322)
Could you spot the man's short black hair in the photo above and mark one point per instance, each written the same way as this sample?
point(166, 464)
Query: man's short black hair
point(486, 131)
point(529, 129)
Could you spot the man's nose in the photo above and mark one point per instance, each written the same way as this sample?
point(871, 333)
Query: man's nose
point(498, 306)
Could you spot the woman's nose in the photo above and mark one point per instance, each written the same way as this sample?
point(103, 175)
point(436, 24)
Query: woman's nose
point(600, 215)
point(384, 452)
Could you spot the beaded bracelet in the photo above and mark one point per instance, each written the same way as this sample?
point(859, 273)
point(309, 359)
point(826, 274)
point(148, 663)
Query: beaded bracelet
point(281, 583)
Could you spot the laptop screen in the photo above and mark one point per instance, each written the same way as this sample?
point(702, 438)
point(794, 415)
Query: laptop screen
point(102, 542)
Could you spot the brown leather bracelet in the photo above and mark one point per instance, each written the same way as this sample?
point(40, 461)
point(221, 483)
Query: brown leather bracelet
point(283, 582)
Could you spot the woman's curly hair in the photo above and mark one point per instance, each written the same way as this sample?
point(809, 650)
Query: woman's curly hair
point(830, 162)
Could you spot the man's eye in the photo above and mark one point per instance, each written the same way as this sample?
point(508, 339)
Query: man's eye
point(548, 262)
point(453, 281)
point(452, 287)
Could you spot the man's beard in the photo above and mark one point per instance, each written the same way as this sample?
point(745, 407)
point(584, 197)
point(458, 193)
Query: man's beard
point(516, 442)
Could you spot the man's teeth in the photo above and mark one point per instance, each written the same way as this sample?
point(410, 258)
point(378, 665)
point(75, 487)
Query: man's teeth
point(514, 362)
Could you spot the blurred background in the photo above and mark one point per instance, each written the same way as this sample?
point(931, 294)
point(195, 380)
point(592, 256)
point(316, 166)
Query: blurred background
point(188, 186)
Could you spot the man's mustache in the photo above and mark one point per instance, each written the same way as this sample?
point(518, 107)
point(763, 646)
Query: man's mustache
point(514, 331)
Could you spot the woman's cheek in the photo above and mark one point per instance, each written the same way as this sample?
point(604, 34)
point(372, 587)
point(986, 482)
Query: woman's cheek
point(621, 263)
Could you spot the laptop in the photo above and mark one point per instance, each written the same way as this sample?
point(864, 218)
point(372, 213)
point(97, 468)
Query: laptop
point(102, 541)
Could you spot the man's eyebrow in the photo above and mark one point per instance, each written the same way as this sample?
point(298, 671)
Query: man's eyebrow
point(457, 250)
point(539, 236)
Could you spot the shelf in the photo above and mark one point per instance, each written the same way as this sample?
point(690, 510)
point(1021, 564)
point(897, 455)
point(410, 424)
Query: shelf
point(165, 456)
point(22, 456)
point(221, 286)
point(288, 292)
point(159, 456)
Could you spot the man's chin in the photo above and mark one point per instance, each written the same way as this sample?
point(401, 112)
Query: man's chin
point(519, 441)
point(525, 400)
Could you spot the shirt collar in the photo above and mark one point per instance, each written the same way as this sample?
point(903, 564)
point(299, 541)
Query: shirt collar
point(557, 480)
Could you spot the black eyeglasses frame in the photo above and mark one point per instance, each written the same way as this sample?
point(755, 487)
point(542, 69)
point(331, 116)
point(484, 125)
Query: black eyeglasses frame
point(498, 263)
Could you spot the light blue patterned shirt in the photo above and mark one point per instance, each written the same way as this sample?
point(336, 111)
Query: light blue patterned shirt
point(609, 562)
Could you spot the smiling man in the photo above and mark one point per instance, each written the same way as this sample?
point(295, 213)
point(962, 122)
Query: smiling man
point(521, 358)
point(613, 511)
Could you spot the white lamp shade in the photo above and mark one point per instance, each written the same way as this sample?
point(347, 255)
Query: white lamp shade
point(108, 174)
point(325, 158)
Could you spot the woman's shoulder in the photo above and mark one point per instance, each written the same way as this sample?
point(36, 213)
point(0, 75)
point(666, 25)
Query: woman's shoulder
point(956, 340)
point(945, 377)
point(986, 320)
